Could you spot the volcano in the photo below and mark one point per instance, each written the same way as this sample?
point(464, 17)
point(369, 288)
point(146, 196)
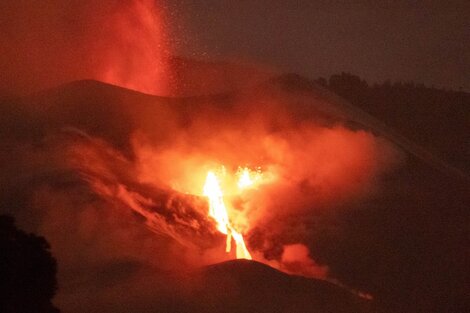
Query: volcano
point(113, 178)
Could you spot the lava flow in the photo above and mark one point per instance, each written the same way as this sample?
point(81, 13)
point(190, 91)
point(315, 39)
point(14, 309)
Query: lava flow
point(218, 211)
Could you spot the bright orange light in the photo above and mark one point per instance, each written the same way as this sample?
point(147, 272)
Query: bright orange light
point(247, 178)
point(217, 208)
point(218, 212)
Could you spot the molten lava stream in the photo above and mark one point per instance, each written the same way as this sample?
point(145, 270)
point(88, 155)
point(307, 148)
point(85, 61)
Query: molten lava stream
point(218, 212)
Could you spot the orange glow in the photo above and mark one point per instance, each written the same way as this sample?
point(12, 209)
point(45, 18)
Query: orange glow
point(217, 208)
point(248, 178)
point(218, 211)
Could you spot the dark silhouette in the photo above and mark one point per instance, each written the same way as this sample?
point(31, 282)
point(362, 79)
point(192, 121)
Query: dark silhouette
point(27, 270)
point(248, 286)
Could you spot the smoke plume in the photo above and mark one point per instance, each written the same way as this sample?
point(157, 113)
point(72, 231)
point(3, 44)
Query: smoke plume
point(46, 43)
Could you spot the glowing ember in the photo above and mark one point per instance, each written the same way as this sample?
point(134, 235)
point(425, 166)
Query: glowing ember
point(218, 212)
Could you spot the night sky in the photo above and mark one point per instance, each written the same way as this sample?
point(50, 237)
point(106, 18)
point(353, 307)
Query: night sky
point(377, 40)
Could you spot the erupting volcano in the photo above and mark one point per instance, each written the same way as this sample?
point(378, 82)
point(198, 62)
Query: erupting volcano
point(168, 184)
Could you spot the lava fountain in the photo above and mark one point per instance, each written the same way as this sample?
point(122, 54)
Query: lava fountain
point(218, 211)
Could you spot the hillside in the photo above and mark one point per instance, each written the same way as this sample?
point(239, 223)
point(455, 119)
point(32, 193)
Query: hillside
point(247, 286)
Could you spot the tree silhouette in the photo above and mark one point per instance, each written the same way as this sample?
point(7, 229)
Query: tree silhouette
point(27, 271)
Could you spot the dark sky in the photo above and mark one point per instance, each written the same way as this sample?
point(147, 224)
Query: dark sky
point(424, 41)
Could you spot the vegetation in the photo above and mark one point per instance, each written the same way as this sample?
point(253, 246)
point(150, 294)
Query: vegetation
point(27, 270)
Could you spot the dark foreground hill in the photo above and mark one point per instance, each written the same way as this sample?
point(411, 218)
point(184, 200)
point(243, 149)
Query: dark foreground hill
point(247, 286)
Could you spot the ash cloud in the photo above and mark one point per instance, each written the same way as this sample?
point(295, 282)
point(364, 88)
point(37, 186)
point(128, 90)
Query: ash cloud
point(124, 43)
point(50, 42)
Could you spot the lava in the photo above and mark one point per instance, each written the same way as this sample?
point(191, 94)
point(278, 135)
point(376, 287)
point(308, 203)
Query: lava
point(247, 179)
point(218, 211)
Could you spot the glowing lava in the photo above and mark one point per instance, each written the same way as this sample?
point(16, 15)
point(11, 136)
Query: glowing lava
point(247, 178)
point(218, 211)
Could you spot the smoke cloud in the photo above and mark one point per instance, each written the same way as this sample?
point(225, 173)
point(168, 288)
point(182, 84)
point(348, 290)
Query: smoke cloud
point(126, 43)
point(43, 44)
point(295, 258)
